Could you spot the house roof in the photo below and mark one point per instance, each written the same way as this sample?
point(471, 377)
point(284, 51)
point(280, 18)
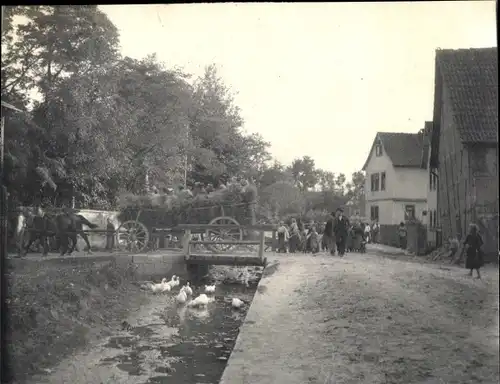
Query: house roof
point(404, 149)
point(471, 79)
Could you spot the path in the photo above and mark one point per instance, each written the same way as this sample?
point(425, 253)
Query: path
point(368, 319)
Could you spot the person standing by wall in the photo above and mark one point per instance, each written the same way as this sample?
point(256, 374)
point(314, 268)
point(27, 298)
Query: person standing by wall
point(402, 234)
point(340, 229)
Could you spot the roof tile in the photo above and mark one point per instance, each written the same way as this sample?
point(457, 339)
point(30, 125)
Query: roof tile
point(404, 149)
point(471, 78)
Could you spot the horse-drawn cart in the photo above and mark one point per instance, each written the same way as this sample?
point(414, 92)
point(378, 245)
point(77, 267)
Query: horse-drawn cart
point(142, 225)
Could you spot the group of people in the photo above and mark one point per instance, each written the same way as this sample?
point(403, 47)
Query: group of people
point(336, 235)
point(199, 188)
point(298, 238)
point(371, 232)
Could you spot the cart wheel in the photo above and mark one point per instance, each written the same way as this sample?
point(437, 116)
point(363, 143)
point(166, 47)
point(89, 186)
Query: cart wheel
point(132, 236)
point(223, 234)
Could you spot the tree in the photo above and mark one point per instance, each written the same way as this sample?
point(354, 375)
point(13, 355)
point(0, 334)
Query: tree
point(158, 102)
point(326, 180)
point(304, 173)
point(55, 42)
point(219, 148)
point(340, 184)
point(253, 154)
point(54, 45)
point(214, 124)
point(282, 198)
point(275, 173)
point(357, 186)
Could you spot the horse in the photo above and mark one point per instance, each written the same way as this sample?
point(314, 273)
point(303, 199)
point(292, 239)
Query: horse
point(65, 226)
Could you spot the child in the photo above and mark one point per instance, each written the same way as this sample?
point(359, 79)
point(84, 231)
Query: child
point(314, 240)
point(282, 237)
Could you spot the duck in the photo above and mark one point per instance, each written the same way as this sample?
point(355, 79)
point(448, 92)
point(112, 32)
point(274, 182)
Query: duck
point(237, 303)
point(176, 281)
point(188, 289)
point(173, 282)
point(166, 287)
point(181, 297)
point(200, 301)
point(210, 288)
point(158, 287)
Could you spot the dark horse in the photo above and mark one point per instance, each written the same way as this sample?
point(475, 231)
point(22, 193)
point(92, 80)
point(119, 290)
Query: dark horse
point(65, 226)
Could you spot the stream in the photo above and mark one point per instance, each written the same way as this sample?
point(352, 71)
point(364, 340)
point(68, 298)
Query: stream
point(166, 342)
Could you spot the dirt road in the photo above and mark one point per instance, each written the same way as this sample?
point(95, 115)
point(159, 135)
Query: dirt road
point(368, 319)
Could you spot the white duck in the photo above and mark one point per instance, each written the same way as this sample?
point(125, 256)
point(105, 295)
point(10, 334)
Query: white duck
point(173, 282)
point(158, 287)
point(176, 281)
point(237, 303)
point(166, 287)
point(188, 289)
point(200, 301)
point(210, 288)
point(181, 297)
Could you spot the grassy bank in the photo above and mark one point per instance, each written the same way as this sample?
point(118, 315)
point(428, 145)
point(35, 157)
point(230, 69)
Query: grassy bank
point(57, 307)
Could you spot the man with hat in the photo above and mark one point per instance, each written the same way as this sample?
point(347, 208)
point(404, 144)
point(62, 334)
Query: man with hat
point(341, 229)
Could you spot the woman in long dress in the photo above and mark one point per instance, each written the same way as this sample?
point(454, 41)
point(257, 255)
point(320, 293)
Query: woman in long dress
point(473, 242)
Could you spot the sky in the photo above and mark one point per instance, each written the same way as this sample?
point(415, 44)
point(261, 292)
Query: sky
point(317, 79)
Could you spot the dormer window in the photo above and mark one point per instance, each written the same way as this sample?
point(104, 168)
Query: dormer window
point(378, 149)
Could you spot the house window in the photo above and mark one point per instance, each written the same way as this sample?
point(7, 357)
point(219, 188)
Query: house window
point(382, 181)
point(378, 149)
point(479, 164)
point(375, 178)
point(374, 213)
point(409, 212)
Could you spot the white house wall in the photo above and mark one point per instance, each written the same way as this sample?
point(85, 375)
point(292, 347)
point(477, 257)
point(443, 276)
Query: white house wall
point(403, 186)
point(398, 210)
point(411, 183)
point(385, 211)
point(377, 165)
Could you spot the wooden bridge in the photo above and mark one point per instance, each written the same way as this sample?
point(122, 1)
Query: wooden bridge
point(224, 258)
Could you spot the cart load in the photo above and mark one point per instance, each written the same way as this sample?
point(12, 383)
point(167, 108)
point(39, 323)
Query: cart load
point(141, 215)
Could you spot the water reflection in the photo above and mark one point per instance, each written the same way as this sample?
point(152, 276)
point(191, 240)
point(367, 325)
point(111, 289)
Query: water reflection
point(173, 343)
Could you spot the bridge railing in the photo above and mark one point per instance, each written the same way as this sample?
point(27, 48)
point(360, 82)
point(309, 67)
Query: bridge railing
point(224, 259)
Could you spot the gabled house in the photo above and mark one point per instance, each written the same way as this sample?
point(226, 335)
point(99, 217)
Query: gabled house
point(431, 218)
point(464, 143)
point(396, 184)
